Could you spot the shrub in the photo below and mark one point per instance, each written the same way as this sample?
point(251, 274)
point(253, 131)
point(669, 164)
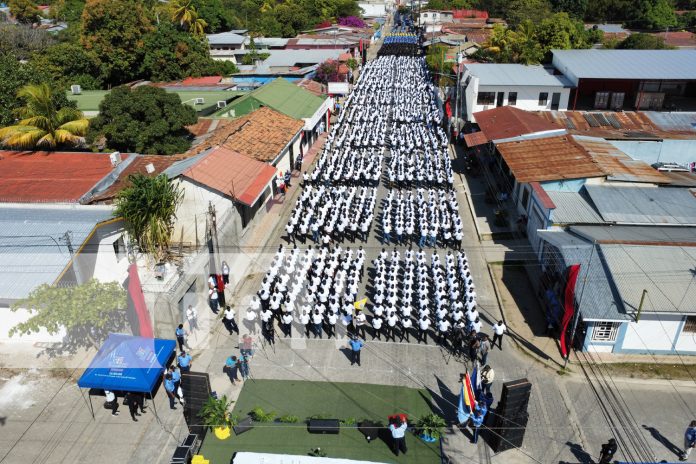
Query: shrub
point(259, 415)
point(289, 419)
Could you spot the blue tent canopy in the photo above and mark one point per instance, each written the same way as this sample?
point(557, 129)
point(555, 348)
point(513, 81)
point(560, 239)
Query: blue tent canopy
point(128, 363)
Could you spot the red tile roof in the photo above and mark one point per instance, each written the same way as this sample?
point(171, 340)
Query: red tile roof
point(507, 121)
point(549, 158)
point(206, 80)
point(261, 134)
point(475, 138)
point(137, 166)
point(344, 56)
point(232, 174)
point(678, 38)
point(313, 86)
point(61, 177)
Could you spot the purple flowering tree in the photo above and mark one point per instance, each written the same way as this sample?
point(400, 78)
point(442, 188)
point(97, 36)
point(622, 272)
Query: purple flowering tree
point(327, 72)
point(351, 21)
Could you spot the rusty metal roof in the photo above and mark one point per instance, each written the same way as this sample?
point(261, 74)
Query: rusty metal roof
point(550, 158)
point(507, 121)
point(475, 138)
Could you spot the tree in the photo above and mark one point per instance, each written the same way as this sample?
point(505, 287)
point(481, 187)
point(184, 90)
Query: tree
point(171, 54)
point(22, 40)
point(655, 15)
point(112, 30)
point(435, 59)
point(148, 207)
point(87, 312)
point(68, 64)
point(642, 41)
point(351, 21)
point(214, 13)
point(143, 120)
point(533, 10)
point(574, 8)
point(253, 54)
point(328, 72)
point(561, 32)
point(42, 124)
point(185, 13)
point(24, 11)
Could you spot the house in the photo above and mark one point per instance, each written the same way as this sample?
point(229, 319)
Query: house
point(265, 135)
point(290, 100)
point(507, 122)
point(634, 292)
point(429, 17)
point(533, 88)
point(222, 45)
point(629, 79)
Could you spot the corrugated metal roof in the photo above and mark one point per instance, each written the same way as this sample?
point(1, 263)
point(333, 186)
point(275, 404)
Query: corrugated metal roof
point(549, 158)
point(681, 121)
point(515, 75)
point(666, 272)
point(644, 205)
point(627, 64)
point(645, 235)
point(573, 208)
point(594, 295)
point(32, 248)
point(507, 121)
point(225, 38)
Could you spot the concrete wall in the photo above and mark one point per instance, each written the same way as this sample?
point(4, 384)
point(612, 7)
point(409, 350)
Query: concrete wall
point(527, 97)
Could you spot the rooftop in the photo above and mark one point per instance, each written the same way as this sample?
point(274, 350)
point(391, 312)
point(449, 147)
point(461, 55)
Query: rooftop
point(636, 235)
point(226, 38)
point(644, 205)
point(261, 135)
point(515, 75)
point(627, 64)
point(32, 247)
point(573, 208)
point(89, 100)
point(507, 121)
point(232, 174)
point(549, 158)
point(678, 38)
point(56, 177)
point(313, 86)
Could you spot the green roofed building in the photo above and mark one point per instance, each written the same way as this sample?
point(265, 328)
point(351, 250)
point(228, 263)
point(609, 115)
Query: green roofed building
point(289, 99)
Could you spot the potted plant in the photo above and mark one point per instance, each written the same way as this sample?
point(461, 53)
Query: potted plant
point(430, 427)
point(215, 413)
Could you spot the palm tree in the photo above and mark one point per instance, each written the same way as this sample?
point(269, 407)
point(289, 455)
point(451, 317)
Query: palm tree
point(41, 124)
point(197, 27)
point(185, 13)
point(148, 207)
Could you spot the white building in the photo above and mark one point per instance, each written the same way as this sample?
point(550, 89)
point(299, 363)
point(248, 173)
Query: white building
point(531, 88)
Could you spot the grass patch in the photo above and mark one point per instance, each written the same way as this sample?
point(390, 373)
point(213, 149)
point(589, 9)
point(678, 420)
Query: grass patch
point(349, 402)
point(652, 370)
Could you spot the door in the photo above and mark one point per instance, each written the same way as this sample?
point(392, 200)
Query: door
point(499, 100)
point(555, 101)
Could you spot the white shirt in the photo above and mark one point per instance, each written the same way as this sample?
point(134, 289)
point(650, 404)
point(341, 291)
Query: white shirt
point(250, 315)
point(377, 323)
point(424, 324)
point(229, 314)
point(191, 313)
point(443, 325)
point(287, 318)
point(316, 318)
point(499, 329)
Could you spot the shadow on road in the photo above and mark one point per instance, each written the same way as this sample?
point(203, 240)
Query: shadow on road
point(663, 440)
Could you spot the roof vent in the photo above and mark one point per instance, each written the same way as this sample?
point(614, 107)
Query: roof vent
point(221, 104)
point(150, 168)
point(199, 101)
point(115, 158)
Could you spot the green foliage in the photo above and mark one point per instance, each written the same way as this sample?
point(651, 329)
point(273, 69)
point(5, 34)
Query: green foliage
point(148, 207)
point(213, 12)
point(215, 412)
point(22, 40)
point(69, 11)
point(349, 421)
point(172, 54)
point(317, 452)
point(67, 64)
point(24, 11)
point(431, 425)
point(253, 54)
point(42, 124)
point(288, 419)
point(435, 59)
point(113, 30)
point(532, 10)
point(655, 15)
point(448, 4)
point(259, 415)
point(575, 8)
point(91, 309)
point(144, 120)
point(642, 41)
point(352, 64)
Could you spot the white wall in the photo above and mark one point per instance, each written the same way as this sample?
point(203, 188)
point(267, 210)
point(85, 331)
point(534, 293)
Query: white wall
point(11, 319)
point(191, 213)
point(652, 332)
point(527, 97)
point(373, 10)
point(686, 342)
point(435, 17)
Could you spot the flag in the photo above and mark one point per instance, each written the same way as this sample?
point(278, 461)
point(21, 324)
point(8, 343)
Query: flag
point(569, 304)
point(469, 397)
point(360, 304)
point(136, 304)
point(476, 379)
point(462, 414)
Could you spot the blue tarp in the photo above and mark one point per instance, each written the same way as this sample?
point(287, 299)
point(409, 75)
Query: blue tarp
point(128, 363)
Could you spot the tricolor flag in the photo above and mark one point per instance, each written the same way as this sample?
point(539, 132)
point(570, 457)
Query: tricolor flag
point(469, 397)
point(476, 379)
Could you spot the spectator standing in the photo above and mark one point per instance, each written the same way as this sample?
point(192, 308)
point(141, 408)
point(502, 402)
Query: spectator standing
point(180, 336)
point(225, 273)
point(398, 433)
point(228, 320)
point(484, 348)
point(184, 361)
point(689, 440)
point(111, 402)
point(608, 451)
point(355, 346)
point(132, 403)
point(232, 367)
point(487, 376)
point(192, 318)
point(169, 388)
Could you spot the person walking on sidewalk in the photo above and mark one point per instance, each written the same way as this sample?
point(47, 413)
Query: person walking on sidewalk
point(499, 330)
point(689, 440)
point(487, 376)
point(606, 455)
point(192, 317)
point(228, 320)
point(484, 348)
point(132, 403)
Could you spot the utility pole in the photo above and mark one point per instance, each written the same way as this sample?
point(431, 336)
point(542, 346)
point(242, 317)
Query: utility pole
point(640, 306)
point(67, 238)
point(214, 247)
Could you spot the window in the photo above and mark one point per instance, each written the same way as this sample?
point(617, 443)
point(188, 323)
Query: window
point(512, 98)
point(525, 198)
point(605, 331)
point(543, 98)
point(555, 101)
point(120, 248)
point(485, 98)
point(690, 324)
point(425, 15)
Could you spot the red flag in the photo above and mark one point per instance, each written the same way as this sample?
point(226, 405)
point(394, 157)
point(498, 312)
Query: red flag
point(448, 107)
point(137, 300)
point(569, 303)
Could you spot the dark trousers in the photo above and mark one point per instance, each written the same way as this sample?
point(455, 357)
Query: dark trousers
point(307, 329)
point(317, 330)
point(287, 329)
point(404, 334)
point(230, 325)
point(360, 331)
point(377, 333)
point(399, 445)
point(497, 337)
point(355, 357)
point(114, 406)
point(423, 335)
point(172, 402)
point(133, 408)
point(330, 331)
point(181, 342)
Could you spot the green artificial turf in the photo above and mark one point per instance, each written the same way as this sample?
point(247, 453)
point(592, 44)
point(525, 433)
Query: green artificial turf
point(331, 400)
